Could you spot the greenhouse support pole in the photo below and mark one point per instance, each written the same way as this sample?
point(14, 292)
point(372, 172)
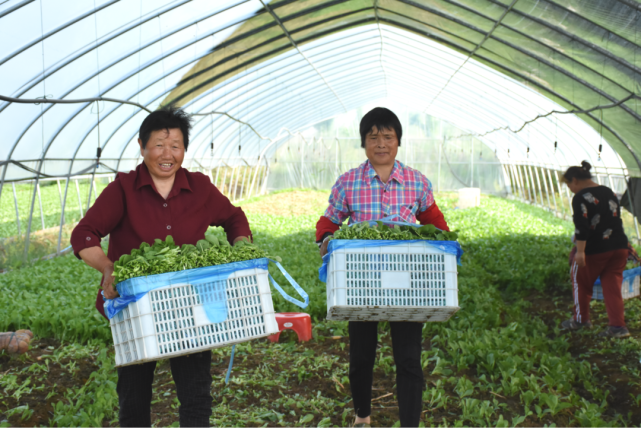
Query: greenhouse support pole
point(33, 204)
point(507, 178)
point(42, 217)
point(267, 169)
point(231, 182)
point(527, 191)
point(15, 200)
point(556, 209)
point(59, 191)
point(79, 199)
point(62, 214)
point(634, 217)
point(242, 187)
point(215, 181)
point(521, 182)
point(235, 184)
point(528, 171)
point(513, 182)
point(95, 192)
point(515, 179)
point(538, 182)
point(558, 185)
point(508, 182)
point(91, 186)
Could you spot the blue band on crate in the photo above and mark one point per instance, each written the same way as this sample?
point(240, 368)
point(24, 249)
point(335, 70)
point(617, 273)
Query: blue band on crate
point(630, 273)
point(213, 297)
point(449, 247)
point(293, 283)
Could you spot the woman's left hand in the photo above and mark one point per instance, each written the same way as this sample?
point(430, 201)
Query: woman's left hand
point(579, 259)
point(242, 238)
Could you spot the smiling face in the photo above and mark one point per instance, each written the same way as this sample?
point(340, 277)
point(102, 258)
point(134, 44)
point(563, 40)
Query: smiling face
point(164, 153)
point(381, 146)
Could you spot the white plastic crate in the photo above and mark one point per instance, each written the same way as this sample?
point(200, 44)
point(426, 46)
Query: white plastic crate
point(170, 321)
point(405, 281)
point(629, 287)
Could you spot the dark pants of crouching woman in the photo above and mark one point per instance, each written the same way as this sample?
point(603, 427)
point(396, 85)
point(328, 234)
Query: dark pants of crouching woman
point(193, 385)
point(407, 338)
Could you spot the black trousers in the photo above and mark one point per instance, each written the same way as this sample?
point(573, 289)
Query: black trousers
point(406, 345)
point(193, 386)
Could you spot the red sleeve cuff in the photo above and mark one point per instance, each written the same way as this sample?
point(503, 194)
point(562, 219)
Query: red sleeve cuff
point(82, 238)
point(433, 215)
point(323, 226)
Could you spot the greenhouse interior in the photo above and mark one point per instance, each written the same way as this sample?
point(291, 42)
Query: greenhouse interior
point(500, 97)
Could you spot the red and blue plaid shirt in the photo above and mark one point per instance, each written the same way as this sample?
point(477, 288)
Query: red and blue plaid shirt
point(361, 195)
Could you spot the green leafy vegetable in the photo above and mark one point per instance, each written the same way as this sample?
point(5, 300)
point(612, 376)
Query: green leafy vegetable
point(165, 256)
point(397, 233)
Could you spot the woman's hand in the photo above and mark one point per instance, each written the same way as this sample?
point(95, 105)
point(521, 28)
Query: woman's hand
point(108, 283)
point(242, 238)
point(97, 259)
point(579, 258)
point(323, 248)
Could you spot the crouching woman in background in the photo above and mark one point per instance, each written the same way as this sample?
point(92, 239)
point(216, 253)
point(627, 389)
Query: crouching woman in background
point(602, 250)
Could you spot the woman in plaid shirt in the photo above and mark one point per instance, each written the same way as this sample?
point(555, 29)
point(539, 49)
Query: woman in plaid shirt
point(379, 187)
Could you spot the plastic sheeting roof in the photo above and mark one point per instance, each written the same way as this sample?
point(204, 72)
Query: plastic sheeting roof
point(283, 65)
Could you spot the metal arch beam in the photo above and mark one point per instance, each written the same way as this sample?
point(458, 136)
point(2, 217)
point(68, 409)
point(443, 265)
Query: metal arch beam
point(266, 118)
point(538, 21)
point(506, 93)
point(96, 45)
point(289, 36)
point(144, 88)
point(476, 48)
point(184, 46)
point(56, 30)
point(16, 7)
point(208, 81)
point(508, 71)
point(151, 62)
point(571, 12)
point(561, 31)
point(510, 45)
point(520, 120)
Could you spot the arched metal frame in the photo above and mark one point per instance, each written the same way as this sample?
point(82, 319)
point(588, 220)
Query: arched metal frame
point(292, 38)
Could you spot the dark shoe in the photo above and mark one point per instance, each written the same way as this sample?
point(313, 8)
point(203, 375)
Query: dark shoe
point(362, 425)
point(573, 325)
point(618, 332)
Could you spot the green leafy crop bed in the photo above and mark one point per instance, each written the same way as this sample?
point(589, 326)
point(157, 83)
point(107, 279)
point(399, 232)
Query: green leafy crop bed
point(500, 361)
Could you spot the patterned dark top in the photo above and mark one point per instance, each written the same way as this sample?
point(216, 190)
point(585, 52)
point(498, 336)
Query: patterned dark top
point(597, 218)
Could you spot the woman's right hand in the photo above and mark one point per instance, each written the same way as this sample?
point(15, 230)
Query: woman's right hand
point(579, 259)
point(108, 283)
point(323, 248)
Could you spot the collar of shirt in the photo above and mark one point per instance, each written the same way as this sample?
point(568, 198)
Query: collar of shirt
point(396, 174)
point(144, 179)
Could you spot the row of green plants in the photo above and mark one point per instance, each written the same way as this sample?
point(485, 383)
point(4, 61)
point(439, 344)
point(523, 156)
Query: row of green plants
point(51, 205)
point(494, 363)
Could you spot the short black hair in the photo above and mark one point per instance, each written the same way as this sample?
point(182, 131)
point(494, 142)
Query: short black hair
point(381, 118)
point(167, 117)
point(579, 172)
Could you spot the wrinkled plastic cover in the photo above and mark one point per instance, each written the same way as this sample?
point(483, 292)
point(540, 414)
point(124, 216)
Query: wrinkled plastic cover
point(232, 56)
point(448, 247)
point(134, 289)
